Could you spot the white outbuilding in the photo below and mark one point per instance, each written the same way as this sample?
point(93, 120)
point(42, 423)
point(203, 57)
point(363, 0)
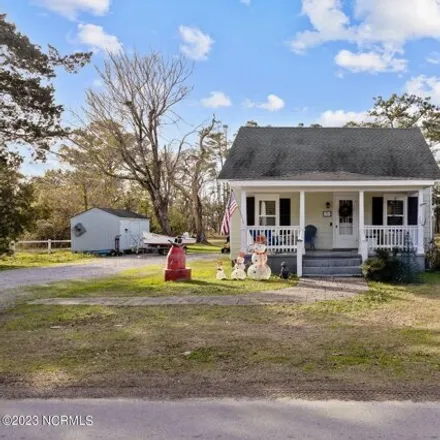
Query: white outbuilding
point(107, 231)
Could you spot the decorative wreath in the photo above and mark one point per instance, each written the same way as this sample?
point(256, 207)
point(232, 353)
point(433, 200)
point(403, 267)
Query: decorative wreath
point(345, 210)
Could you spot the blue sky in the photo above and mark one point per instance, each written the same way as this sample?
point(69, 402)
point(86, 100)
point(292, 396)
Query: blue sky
point(279, 62)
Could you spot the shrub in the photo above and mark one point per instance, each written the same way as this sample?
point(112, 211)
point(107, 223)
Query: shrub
point(389, 268)
point(433, 255)
point(382, 267)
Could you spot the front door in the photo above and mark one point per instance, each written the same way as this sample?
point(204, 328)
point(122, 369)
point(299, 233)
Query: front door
point(345, 221)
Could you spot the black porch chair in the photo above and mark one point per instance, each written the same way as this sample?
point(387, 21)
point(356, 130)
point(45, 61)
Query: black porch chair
point(309, 236)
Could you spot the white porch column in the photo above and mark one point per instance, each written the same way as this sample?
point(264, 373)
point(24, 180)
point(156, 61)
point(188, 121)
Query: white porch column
point(363, 249)
point(420, 227)
point(243, 221)
point(302, 225)
point(302, 212)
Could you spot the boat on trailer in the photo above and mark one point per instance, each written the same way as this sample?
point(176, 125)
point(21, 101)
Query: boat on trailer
point(162, 243)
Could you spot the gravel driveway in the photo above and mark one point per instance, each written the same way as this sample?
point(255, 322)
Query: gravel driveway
point(102, 267)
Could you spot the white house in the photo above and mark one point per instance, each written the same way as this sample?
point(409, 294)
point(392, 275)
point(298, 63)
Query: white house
point(363, 189)
point(103, 230)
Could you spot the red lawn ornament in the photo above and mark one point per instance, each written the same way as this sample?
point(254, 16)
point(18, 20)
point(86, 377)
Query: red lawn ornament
point(175, 268)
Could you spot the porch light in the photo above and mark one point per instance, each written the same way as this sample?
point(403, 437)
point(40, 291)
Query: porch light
point(327, 205)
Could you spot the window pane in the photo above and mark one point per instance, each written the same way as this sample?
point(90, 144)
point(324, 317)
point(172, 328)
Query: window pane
point(395, 220)
point(345, 208)
point(346, 226)
point(267, 221)
point(395, 207)
point(267, 207)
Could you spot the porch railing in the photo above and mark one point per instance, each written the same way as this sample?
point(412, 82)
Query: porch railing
point(279, 239)
point(391, 237)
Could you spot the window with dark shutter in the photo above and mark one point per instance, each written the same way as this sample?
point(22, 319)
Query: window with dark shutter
point(285, 219)
point(377, 214)
point(413, 210)
point(395, 212)
point(250, 210)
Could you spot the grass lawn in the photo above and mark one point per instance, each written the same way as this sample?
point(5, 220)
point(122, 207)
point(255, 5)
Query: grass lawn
point(38, 259)
point(386, 339)
point(214, 246)
point(150, 282)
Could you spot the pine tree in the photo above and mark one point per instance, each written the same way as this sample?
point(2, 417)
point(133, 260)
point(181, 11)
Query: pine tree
point(29, 113)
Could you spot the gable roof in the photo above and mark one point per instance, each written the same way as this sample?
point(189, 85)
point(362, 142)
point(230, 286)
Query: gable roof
point(122, 213)
point(270, 153)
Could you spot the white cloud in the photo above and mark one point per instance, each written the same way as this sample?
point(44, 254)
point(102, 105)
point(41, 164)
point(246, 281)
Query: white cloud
point(273, 103)
point(424, 86)
point(377, 26)
point(433, 58)
point(216, 100)
point(71, 8)
point(370, 62)
point(394, 22)
point(339, 118)
point(97, 83)
point(95, 37)
point(387, 22)
point(246, 2)
point(195, 44)
point(329, 23)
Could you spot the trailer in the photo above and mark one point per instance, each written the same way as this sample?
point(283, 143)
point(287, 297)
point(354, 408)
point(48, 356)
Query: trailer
point(162, 243)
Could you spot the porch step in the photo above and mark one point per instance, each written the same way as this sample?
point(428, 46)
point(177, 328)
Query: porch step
point(343, 263)
point(331, 262)
point(349, 253)
point(345, 271)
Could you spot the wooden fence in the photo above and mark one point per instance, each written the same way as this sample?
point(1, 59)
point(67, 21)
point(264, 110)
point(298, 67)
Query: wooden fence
point(49, 245)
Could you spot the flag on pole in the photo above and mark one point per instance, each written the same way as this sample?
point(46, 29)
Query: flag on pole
point(230, 208)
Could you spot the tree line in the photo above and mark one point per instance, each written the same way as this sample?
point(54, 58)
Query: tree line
point(118, 154)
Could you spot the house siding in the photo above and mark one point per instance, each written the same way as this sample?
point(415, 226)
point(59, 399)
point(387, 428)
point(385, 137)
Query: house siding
point(428, 231)
point(315, 205)
point(236, 217)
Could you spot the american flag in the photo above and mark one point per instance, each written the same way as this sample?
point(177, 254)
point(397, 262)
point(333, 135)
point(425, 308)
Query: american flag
point(230, 208)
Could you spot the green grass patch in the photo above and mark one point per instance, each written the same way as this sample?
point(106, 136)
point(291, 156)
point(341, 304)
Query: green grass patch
point(214, 246)
point(386, 338)
point(39, 259)
point(150, 282)
point(208, 348)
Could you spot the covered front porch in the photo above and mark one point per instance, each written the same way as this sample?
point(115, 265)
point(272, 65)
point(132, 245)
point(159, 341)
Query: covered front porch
point(346, 219)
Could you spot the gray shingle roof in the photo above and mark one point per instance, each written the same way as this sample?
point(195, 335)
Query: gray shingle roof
point(123, 213)
point(267, 153)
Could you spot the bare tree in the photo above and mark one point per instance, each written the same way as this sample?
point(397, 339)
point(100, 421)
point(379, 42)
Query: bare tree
point(195, 170)
point(140, 96)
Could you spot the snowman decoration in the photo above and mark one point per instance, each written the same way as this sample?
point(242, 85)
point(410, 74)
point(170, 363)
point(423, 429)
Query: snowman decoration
point(259, 270)
point(220, 271)
point(238, 273)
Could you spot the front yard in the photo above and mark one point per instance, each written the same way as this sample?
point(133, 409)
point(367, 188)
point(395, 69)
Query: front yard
point(149, 282)
point(386, 339)
point(40, 259)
